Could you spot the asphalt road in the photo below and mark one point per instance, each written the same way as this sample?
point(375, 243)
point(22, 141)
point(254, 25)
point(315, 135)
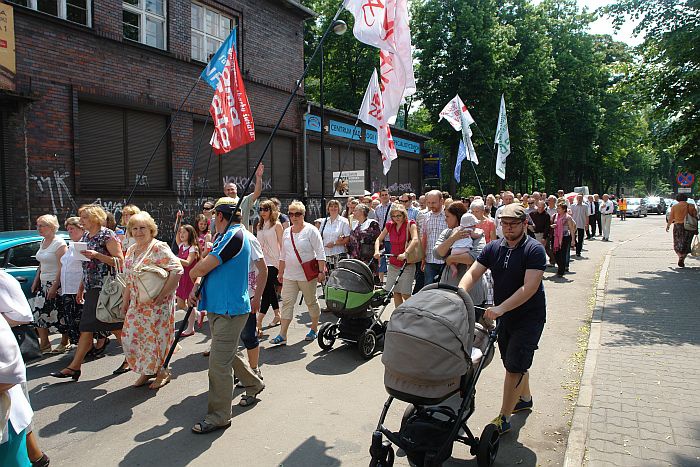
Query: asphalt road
point(319, 408)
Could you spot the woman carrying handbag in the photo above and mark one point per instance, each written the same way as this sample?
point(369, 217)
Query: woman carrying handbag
point(152, 276)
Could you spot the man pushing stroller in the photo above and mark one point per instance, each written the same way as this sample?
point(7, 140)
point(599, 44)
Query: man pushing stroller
point(517, 263)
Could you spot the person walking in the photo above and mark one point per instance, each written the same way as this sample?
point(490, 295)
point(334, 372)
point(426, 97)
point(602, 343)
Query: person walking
point(563, 228)
point(270, 232)
point(682, 237)
point(362, 237)
point(104, 253)
point(335, 232)
point(149, 313)
point(301, 243)
point(228, 306)
point(607, 208)
point(248, 202)
point(593, 213)
point(579, 212)
point(598, 217)
point(540, 223)
point(414, 214)
point(188, 254)
point(404, 239)
point(517, 263)
point(70, 310)
point(622, 207)
point(433, 225)
point(381, 214)
point(47, 284)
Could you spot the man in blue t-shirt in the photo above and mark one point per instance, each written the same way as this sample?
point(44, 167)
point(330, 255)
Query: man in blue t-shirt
point(517, 263)
point(225, 297)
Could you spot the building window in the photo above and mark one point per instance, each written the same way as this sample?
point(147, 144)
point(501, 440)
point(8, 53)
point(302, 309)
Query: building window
point(144, 22)
point(209, 29)
point(75, 11)
point(115, 144)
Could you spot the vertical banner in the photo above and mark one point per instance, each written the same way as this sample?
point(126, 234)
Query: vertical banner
point(8, 65)
point(502, 141)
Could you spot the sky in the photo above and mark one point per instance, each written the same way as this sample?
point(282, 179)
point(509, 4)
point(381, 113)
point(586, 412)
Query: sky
point(604, 25)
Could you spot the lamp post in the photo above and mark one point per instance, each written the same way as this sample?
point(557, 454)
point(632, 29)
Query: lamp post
point(339, 27)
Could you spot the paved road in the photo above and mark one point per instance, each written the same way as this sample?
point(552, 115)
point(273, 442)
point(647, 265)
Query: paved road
point(645, 387)
point(318, 409)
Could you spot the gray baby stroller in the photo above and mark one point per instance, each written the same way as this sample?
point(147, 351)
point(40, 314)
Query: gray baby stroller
point(427, 359)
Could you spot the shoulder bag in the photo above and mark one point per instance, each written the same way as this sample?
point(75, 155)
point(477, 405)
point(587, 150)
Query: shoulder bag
point(415, 256)
point(311, 269)
point(110, 300)
point(149, 278)
point(690, 223)
point(28, 341)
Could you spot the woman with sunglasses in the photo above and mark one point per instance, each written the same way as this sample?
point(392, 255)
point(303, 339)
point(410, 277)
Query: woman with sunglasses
point(269, 235)
point(403, 235)
point(301, 243)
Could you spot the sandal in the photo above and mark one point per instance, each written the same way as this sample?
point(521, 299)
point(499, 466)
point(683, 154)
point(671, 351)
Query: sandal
point(247, 400)
point(46, 350)
point(143, 380)
point(123, 368)
point(260, 333)
point(276, 321)
point(99, 352)
point(162, 379)
point(279, 340)
point(204, 427)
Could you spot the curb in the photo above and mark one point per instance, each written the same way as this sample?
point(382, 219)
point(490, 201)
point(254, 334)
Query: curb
point(576, 443)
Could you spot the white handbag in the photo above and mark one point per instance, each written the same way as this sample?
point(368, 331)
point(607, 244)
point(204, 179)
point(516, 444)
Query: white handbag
point(150, 278)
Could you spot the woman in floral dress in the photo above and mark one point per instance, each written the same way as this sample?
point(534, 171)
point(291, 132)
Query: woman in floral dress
point(149, 325)
point(364, 232)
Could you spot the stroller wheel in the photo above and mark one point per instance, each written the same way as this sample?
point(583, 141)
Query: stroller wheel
point(326, 336)
point(367, 344)
point(488, 446)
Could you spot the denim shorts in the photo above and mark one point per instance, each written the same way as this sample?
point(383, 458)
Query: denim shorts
point(249, 334)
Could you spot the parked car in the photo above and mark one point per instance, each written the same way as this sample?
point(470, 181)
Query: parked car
point(656, 204)
point(18, 255)
point(636, 207)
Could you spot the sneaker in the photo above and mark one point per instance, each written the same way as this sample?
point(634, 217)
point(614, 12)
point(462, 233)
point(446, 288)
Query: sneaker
point(61, 348)
point(502, 424)
point(522, 405)
point(311, 336)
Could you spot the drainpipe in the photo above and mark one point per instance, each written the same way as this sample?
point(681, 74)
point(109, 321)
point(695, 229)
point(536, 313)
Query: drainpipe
point(306, 158)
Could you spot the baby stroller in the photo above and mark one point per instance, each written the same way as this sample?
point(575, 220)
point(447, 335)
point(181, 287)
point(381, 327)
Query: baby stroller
point(351, 296)
point(427, 359)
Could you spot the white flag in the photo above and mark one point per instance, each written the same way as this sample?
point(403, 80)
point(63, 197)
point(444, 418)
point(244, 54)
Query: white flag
point(453, 112)
point(374, 22)
point(467, 138)
point(372, 113)
point(502, 140)
point(396, 64)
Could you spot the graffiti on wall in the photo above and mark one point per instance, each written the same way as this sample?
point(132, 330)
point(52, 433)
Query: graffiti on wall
point(241, 181)
point(55, 185)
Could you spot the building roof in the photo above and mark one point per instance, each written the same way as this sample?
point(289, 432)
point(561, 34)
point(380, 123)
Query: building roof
point(306, 12)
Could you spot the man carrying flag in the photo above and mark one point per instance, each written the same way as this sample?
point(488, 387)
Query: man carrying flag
point(372, 113)
point(233, 121)
point(502, 141)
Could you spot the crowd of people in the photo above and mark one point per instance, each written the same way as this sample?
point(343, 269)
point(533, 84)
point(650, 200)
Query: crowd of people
point(120, 280)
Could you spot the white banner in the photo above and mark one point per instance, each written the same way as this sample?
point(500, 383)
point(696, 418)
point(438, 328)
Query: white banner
point(453, 113)
point(374, 22)
point(502, 141)
point(372, 113)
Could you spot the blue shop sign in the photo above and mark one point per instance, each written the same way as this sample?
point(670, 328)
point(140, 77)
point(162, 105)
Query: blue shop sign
point(313, 123)
point(400, 143)
point(371, 136)
point(344, 130)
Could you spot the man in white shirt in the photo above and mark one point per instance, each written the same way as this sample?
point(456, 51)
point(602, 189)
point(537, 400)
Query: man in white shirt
point(606, 212)
point(579, 212)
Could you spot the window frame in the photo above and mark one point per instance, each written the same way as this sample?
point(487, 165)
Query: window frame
point(62, 11)
point(204, 34)
point(143, 15)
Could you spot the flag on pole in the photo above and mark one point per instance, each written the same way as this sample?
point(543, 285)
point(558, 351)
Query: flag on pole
point(374, 22)
point(396, 64)
point(502, 140)
point(453, 112)
point(372, 113)
point(218, 61)
point(230, 111)
point(467, 137)
point(461, 156)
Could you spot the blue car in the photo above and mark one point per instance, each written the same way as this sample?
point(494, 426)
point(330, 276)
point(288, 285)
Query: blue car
point(18, 255)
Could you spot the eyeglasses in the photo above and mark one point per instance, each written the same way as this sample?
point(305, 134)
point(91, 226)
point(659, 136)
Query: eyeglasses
point(511, 224)
point(263, 209)
point(295, 214)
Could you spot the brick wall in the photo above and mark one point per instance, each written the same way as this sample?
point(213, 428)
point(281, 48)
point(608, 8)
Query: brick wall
point(59, 63)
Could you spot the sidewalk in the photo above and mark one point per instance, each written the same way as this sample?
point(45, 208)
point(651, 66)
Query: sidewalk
point(640, 396)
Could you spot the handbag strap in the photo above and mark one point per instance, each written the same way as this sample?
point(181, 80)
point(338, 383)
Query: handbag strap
point(145, 254)
point(291, 234)
point(408, 234)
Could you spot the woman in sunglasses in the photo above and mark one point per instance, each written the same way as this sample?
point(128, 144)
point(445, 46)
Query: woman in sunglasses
point(301, 244)
point(270, 237)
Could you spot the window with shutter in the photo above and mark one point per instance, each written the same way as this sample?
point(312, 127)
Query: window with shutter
point(100, 146)
point(143, 133)
point(283, 174)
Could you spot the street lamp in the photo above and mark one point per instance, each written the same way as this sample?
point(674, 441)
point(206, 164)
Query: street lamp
point(339, 27)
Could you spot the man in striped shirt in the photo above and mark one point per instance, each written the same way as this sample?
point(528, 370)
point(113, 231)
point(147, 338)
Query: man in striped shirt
point(434, 224)
point(382, 214)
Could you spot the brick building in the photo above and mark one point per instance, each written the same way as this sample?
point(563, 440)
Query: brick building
point(97, 82)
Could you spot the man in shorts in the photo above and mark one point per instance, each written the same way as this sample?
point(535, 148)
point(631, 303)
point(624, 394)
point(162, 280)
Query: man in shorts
point(517, 263)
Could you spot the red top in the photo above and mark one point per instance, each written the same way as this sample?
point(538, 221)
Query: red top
point(398, 240)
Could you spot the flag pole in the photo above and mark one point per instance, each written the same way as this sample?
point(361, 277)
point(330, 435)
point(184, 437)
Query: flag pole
point(198, 290)
point(477, 180)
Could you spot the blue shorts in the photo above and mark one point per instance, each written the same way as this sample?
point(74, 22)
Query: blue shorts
point(382, 262)
point(249, 334)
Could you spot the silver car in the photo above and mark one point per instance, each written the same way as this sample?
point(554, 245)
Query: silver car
point(636, 207)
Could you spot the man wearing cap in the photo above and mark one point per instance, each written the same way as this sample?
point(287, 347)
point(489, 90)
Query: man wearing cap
point(517, 263)
point(248, 202)
point(228, 304)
